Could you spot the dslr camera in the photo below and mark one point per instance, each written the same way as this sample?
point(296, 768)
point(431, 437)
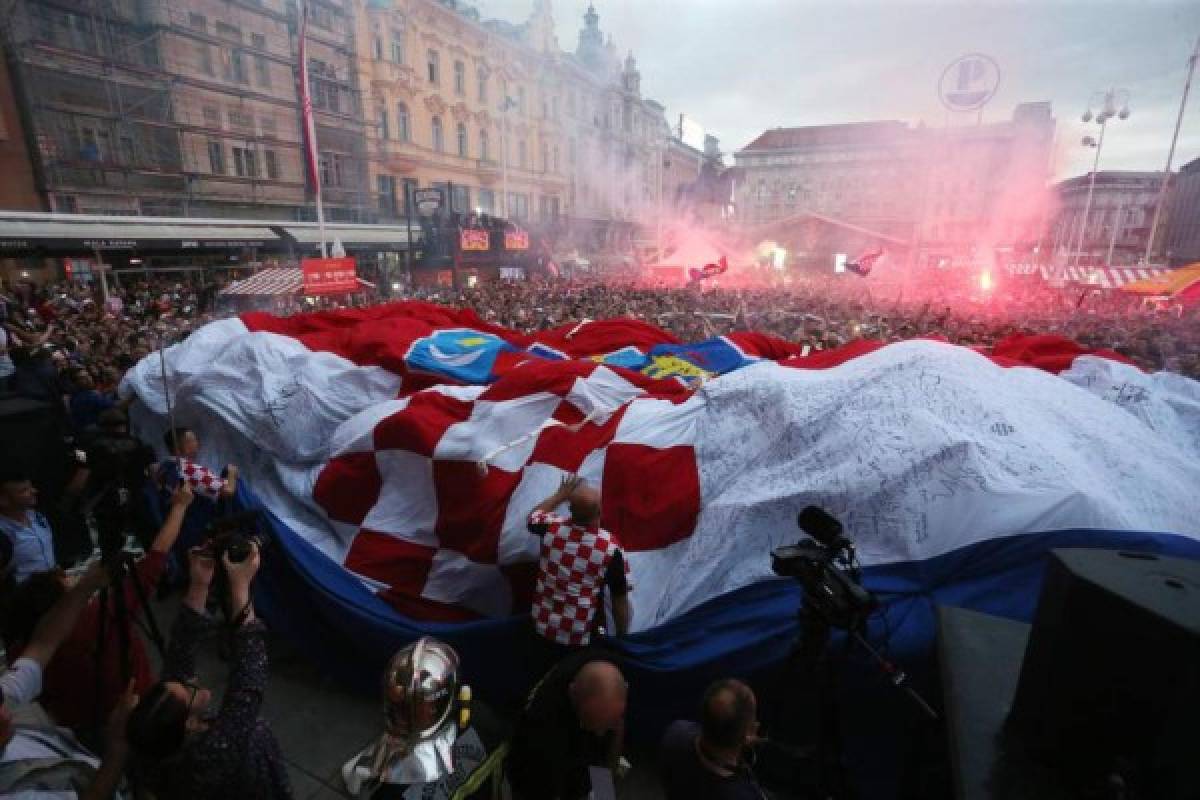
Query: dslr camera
point(234, 535)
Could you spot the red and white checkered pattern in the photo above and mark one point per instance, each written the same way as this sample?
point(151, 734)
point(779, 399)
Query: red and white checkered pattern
point(1103, 277)
point(441, 539)
point(571, 572)
point(202, 479)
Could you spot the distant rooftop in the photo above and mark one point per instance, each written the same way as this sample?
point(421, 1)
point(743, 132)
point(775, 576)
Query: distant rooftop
point(788, 138)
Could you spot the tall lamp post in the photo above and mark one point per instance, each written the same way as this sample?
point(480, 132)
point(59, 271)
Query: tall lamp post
point(1162, 189)
point(1108, 103)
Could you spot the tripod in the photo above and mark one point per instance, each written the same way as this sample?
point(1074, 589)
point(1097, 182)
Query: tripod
point(111, 521)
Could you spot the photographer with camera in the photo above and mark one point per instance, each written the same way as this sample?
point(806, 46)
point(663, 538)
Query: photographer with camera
point(188, 751)
point(85, 680)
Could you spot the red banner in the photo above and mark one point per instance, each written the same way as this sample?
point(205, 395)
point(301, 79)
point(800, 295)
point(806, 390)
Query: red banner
point(329, 275)
point(474, 239)
point(516, 240)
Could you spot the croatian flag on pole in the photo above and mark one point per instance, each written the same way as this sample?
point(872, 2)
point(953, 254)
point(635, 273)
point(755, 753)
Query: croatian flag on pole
point(407, 443)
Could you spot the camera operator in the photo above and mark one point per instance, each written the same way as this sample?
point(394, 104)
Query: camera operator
point(26, 528)
point(574, 720)
point(40, 761)
point(569, 588)
point(188, 751)
point(70, 681)
point(707, 760)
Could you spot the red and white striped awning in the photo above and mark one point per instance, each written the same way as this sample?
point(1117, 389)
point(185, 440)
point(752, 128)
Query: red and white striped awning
point(269, 282)
point(1103, 277)
point(273, 282)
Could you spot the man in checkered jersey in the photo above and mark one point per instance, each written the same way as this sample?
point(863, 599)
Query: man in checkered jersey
point(578, 560)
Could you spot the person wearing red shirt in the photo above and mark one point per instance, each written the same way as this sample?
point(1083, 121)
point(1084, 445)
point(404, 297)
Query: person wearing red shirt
point(69, 684)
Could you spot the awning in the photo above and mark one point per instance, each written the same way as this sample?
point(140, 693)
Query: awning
point(84, 232)
point(352, 236)
point(274, 282)
point(1104, 277)
point(1167, 284)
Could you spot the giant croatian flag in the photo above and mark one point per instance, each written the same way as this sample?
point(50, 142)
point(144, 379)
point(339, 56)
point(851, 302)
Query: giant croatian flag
point(408, 442)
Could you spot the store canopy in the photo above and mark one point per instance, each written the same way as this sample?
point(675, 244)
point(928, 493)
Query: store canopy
point(85, 232)
point(352, 236)
point(274, 282)
point(1169, 284)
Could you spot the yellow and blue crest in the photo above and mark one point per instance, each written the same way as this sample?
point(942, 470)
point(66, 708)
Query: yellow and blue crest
point(460, 354)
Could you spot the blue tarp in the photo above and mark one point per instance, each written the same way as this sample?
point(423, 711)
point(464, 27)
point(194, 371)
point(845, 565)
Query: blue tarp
point(351, 634)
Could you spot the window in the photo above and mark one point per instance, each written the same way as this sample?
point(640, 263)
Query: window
point(377, 48)
point(198, 22)
point(240, 119)
point(545, 157)
point(227, 31)
point(397, 47)
point(483, 144)
point(387, 193)
point(330, 167)
point(272, 164)
point(267, 125)
point(460, 78)
point(212, 117)
point(384, 130)
point(432, 62)
point(521, 99)
point(554, 106)
point(556, 158)
point(460, 199)
point(235, 67)
point(462, 140)
point(437, 134)
point(258, 41)
point(204, 53)
point(481, 77)
point(522, 156)
point(261, 73)
point(571, 102)
point(402, 126)
point(487, 201)
point(216, 158)
point(320, 16)
point(243, 163)
point(545, 107)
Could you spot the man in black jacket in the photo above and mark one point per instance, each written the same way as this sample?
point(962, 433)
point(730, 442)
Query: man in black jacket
point(574, 720)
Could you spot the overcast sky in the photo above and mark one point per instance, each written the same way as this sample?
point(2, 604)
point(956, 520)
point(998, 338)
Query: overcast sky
point(740, 66)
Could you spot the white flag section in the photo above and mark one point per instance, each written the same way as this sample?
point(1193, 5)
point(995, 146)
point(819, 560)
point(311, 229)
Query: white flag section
point(920, 448)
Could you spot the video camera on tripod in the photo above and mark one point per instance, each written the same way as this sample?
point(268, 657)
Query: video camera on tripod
point(827, 571)
point(118, 464)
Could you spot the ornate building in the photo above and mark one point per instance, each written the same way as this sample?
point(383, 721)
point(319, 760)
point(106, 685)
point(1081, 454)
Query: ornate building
point(1118, 219)
point(505, 121)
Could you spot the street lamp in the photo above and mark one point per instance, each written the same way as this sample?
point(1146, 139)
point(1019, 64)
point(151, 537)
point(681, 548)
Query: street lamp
point(1113, 103)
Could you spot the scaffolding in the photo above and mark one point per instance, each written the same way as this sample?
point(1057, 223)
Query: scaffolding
point(108, 95)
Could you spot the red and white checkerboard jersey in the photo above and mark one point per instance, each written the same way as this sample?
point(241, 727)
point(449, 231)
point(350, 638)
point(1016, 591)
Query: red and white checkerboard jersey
point(571, 573)
point(202, 479)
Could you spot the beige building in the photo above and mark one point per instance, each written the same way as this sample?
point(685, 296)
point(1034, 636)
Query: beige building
point(504, 120)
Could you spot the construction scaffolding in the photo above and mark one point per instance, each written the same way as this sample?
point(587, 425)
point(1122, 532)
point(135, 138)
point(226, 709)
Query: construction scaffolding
point(139, 107)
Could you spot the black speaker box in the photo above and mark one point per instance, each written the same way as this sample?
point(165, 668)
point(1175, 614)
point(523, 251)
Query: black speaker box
point(1111, 677)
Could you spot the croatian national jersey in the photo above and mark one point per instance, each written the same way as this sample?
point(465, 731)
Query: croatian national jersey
point(571, 572)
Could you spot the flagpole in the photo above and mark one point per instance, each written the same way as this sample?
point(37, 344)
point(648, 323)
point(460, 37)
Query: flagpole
point(310, 128)
point(1162, 189)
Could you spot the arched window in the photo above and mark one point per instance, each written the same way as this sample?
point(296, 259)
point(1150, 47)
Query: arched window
point(462, 140)
point(403, 131)
point(437, 134)
point(483, 144)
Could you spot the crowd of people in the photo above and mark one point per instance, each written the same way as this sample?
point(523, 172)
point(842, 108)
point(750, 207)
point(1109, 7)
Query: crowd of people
point(107, 717)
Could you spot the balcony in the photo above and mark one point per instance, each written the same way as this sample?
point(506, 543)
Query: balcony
point(392, 77)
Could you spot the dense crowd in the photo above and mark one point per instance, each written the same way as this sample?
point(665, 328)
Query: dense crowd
point(69, 345)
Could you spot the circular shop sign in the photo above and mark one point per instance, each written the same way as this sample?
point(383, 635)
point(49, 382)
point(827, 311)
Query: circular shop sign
point(969, 82)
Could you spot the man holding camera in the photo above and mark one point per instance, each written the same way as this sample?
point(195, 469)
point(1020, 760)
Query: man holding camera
point(193, 752)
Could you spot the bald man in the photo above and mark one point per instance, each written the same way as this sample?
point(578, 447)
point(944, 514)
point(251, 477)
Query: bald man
point(578, 560)
point(574, 720)
point(708, 760)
